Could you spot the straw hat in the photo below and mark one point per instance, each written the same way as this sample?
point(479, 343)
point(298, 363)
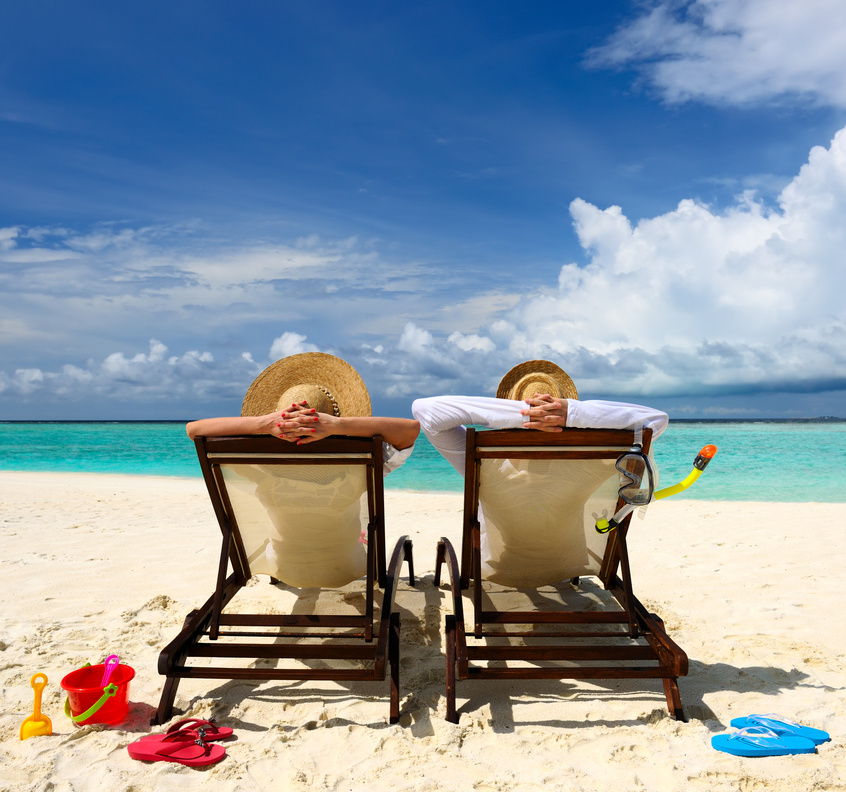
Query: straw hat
point(536, 376)
point(327, 383)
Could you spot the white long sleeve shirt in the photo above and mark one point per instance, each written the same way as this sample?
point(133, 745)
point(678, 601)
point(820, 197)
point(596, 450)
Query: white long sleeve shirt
point(443, 418)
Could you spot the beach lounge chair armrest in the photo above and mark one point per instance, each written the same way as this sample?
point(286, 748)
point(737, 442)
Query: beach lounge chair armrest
point(446, 553)
point(402, 552)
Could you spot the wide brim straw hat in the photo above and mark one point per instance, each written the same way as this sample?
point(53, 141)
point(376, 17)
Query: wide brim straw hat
point(326, 382)
point(536, 376)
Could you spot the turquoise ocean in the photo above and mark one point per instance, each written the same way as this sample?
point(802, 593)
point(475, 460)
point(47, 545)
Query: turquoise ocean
point(782, 461)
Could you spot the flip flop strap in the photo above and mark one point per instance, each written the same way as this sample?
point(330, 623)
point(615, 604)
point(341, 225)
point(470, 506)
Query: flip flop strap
point(774, 722)
point(755, 735)
point(196, 724)
point(180, 740)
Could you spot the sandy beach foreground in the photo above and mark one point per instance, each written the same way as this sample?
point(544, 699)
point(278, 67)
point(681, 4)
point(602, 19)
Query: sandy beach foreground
point(93, 565)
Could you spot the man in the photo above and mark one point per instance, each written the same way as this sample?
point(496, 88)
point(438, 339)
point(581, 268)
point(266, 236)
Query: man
point(536, 394)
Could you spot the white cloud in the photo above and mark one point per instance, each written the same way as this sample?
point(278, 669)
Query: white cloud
point(290, 344)
point(11, 251)
point(158, 270)
point(146, 377)
point(736, 51)
point(7, 237)
point(471, 342)
point(27, 381)
point(741, 297)
point(416, 341)
point(117, 366)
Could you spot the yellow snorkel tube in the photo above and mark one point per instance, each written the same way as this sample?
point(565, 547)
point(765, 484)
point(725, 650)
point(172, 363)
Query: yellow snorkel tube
point(637, 487)
point(699, 464)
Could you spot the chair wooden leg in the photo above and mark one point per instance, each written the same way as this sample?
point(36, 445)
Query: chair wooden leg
point(165, 710)
point(451, 715)
point(674, 705)
point(393, 658)
point(409, 557)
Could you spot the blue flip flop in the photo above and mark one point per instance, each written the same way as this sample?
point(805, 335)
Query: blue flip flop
point(782, 726)
point(760, 741)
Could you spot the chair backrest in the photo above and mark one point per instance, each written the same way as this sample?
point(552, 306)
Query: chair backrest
point(538, 496)
point(297, 512)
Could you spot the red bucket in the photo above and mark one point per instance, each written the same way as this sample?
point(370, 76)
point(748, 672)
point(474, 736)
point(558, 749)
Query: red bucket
point(97, 705)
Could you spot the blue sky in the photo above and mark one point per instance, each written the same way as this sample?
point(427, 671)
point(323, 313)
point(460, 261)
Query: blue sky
point(649, 193)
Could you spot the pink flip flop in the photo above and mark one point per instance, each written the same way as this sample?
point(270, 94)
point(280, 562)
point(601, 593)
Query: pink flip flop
point(207, 729)
point(183, 747)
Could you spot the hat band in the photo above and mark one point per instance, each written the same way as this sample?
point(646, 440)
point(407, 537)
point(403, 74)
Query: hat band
point(336, 411)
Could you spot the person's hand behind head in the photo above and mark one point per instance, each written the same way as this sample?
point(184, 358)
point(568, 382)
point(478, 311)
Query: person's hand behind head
point(545, 413)
point(298, 409)
point(296, 422)
point(540, 399)
point(314, 426)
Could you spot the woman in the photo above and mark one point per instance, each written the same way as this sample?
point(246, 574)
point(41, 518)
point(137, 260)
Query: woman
point(314, 534)
point(306, 397)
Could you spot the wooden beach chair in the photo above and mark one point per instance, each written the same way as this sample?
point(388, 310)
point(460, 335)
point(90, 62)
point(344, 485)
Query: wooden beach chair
point(538, 496)
point(295, 513)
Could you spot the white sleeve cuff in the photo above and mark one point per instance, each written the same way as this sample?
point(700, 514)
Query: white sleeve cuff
point(392, 458)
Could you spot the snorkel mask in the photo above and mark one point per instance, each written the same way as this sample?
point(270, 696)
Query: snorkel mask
point(637, 486)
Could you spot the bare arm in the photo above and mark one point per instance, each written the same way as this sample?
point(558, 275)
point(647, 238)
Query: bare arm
point(305, 425)
point(285, 424)
point(241, 425)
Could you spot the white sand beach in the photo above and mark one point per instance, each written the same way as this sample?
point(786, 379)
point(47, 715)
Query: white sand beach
point(100, 564)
